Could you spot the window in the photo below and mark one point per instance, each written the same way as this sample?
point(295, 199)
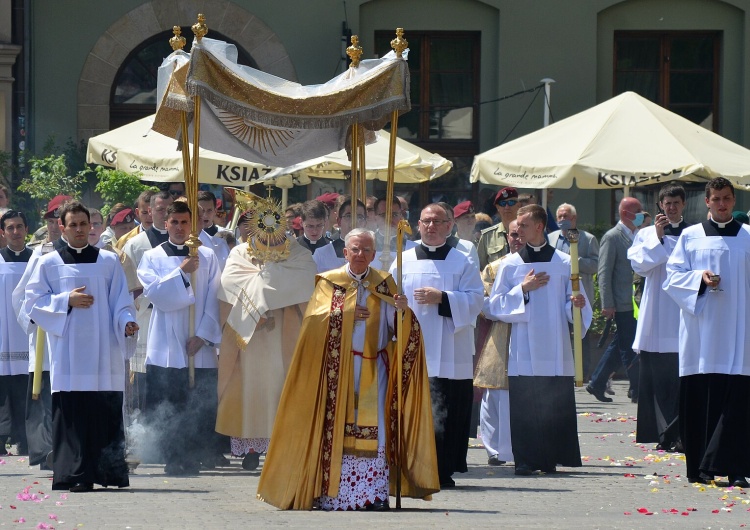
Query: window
point(134, 89)
point(444, 69)
point(444, 118)
point(678, 70)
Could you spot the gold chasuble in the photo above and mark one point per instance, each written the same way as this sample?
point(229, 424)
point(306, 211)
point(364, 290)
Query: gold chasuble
point(316, 423)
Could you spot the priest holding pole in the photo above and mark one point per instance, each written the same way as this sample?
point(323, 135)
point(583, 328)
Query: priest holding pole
point(533, 289)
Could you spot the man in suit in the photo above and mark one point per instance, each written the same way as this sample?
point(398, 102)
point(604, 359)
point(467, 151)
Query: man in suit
point(615, 276)
point(588, 258)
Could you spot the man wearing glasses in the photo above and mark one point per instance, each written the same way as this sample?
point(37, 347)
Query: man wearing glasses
point(493, 243)
point(445, 291)
point(176, 189)
point(332, 256)
point(314, 216)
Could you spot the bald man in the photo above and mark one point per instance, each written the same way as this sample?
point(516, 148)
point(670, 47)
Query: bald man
point(615, 277)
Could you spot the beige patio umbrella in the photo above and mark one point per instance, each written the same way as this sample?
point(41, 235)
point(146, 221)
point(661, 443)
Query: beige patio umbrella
point(135, 147)
point(412, 164)
point(625, 141)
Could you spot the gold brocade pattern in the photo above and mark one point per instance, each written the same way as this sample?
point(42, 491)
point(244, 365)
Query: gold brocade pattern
point(333, 359)
point(358, 101)
point(364, 433)
point(297, 467)
point(260, 138)
point(409, 359)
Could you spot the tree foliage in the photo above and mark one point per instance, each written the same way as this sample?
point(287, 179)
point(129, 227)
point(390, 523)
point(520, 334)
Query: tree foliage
point(116, 186)
point(49, 176)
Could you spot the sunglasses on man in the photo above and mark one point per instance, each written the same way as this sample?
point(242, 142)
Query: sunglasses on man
point(511, 202)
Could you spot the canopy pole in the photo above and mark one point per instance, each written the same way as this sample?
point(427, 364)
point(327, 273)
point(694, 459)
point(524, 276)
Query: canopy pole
point(353, 180)
point(358, 156)
point(284, 197)
point(191, 189)
point(626, 191)
point(362, 172)
point(399, 44)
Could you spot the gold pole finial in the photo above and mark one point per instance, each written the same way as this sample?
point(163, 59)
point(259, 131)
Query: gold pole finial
point(354, 51)
point(178, 41)
point(199, 28)
point(399, 44)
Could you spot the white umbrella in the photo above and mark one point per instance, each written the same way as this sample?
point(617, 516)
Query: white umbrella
point(135, 147)
point(625, 141)
point(412, 164)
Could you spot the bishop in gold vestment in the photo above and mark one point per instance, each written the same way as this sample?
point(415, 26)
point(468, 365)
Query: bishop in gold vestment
point(338, 410)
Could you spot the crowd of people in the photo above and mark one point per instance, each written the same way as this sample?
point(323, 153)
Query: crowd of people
point(291, 338)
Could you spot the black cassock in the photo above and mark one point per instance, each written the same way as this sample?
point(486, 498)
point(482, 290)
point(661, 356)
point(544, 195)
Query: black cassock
point(543, 423)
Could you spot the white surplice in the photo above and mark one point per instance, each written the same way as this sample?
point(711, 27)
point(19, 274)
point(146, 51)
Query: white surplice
point(325, 259)
point(713, 334)
point(21, 310)
point(14, 343)
point(164, 285)
point(449, 342)
point(218, 245)
point(658, 314)
point(88, 346)
point(540, 336)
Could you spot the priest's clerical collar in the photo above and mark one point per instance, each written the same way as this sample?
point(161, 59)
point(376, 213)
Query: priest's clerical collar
point(677, 224)
point(78, 250)
point(537, 249)
point(357, 277)
point(313, 241)
point(722, 225)
point(175, 245)
point(17, 252)
point(160, 231)
point(432, 249)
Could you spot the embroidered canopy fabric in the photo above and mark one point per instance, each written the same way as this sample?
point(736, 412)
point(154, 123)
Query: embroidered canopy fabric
point(253, 115)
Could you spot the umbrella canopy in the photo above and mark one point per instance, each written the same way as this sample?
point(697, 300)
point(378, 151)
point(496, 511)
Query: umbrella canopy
point(135, 147)
point(625, 141)
point(412, 164)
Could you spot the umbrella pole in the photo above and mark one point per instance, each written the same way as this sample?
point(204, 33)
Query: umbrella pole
point(576, 289)
point(353, 177)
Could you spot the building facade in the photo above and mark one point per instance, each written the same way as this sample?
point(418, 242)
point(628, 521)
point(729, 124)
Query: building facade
point(466, 57)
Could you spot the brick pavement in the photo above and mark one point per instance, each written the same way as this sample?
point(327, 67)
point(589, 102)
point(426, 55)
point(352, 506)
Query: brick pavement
point(618, 480)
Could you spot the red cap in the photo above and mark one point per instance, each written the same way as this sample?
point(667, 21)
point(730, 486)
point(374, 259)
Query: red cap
point(297, 223)
point(53, 206)
point(462, 208)
point(329, 199)
point(123, 216)
point(219, 204)
point(506, 193)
